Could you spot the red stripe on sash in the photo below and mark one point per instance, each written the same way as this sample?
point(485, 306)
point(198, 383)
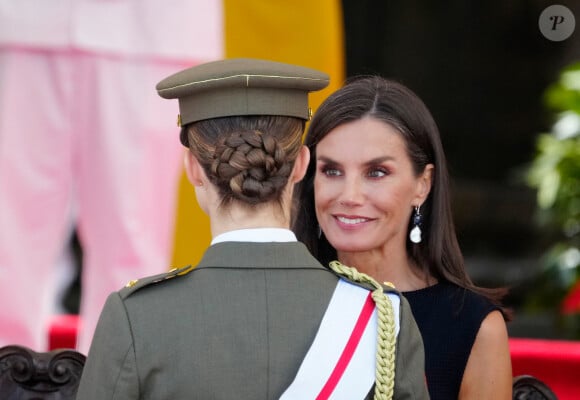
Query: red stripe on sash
point(349, 349)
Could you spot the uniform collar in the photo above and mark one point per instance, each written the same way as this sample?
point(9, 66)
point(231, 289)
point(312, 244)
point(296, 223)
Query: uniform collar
point(256, 235)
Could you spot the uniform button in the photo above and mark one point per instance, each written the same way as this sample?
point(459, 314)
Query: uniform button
point(131, 283)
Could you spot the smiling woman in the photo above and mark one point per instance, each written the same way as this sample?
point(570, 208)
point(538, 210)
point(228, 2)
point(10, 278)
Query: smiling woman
point(377, 173)
point(362, 197)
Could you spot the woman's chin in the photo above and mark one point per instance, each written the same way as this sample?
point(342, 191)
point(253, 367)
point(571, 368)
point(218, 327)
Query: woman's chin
point(348, 246)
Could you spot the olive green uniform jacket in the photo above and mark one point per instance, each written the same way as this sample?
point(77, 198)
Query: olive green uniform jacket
point(236, 327)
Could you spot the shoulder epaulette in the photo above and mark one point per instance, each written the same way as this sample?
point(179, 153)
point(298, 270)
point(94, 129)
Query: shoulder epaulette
point(136, 284)
point(389, 287)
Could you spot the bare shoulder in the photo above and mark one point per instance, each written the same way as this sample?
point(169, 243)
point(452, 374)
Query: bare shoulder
point(488, 374)
point(493, 330)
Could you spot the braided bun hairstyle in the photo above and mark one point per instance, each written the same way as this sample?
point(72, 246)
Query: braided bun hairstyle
point(248, 158)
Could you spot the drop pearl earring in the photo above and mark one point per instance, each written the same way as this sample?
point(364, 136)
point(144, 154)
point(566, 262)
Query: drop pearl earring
point(415, 234)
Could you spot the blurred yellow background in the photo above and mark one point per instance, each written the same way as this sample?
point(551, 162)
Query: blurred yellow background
point(302, 32)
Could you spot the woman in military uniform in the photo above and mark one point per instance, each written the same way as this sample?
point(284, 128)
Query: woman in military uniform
point(241, 323)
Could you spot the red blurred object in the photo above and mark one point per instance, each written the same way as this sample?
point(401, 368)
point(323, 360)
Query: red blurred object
point(62, 332)
point(571, 303)
point(555, 362)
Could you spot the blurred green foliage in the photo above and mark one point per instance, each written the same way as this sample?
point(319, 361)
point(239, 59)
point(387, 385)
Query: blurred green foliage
point(555, 174)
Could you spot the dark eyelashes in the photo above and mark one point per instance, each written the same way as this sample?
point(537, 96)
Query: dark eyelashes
point(329, 170)
point(373, 171)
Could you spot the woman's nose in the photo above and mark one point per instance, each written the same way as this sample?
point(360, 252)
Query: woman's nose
point(352, 193)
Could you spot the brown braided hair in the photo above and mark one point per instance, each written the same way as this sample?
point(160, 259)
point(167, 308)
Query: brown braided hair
point(248, 158)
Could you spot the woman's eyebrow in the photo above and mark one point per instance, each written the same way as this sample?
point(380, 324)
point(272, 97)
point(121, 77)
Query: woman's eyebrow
point(327, 160)
point(376, 160)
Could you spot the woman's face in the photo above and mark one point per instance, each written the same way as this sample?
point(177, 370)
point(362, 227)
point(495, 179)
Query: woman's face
point(364, 186)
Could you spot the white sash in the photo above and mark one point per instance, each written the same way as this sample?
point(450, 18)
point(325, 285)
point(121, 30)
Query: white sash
point(340, 364)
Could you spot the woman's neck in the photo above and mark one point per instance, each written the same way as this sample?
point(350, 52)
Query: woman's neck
point(260, 216)
point(388, 268)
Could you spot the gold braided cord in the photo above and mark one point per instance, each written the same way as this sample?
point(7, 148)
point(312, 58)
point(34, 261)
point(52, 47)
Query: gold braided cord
point(386, 340)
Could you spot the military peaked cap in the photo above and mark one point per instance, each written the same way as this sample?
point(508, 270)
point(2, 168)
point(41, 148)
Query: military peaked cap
point(241, 86)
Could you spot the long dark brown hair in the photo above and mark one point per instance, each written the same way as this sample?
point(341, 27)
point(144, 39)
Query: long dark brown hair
point(439, 253)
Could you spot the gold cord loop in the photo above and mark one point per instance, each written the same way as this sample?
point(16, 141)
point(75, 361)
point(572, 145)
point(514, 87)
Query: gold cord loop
point(386, 339)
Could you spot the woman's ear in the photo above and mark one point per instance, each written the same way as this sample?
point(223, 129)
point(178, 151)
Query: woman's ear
point(193, 169)
point(424, 183)
point(196, 175)
point(300, 165)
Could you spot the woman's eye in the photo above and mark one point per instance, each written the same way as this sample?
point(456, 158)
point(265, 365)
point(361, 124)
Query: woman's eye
point(330, 171)
point(378, 172)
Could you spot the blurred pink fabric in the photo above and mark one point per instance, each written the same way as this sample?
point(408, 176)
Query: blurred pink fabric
point(84, 135)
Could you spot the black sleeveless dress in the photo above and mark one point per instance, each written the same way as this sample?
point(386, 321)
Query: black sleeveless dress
point(449, 318)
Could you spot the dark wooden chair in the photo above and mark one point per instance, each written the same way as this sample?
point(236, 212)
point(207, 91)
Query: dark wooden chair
point(527, 387)
point(26, 374)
